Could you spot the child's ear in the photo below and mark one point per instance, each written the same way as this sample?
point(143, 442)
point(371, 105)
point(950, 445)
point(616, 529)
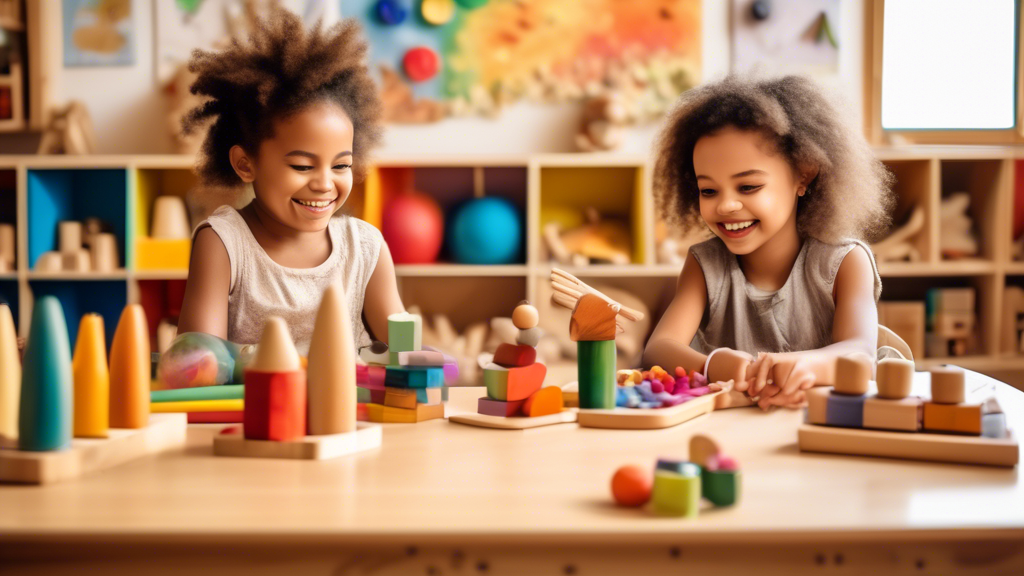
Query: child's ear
point(806, 173)
point(242, 164)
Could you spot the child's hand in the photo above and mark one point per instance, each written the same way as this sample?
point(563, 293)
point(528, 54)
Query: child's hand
point(728, 364)
point(779, 382)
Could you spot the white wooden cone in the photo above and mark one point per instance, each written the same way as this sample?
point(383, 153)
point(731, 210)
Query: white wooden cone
point(10, 378)
point(170, 219)
point(276, 351)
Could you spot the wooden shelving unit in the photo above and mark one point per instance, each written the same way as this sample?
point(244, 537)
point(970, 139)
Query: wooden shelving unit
point(619, 185)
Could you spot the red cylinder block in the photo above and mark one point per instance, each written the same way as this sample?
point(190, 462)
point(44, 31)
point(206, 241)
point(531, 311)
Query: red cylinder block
point(275, 405)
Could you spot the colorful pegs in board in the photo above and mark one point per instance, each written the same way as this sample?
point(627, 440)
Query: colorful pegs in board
point(92, 379)
point(44, 418)
point(130, 366)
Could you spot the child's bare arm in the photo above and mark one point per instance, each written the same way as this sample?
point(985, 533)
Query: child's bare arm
point(669, 345)
point(205, 308)
point(382, 298)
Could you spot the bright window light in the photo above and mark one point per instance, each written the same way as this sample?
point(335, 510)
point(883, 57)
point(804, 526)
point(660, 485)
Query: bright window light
point(949, 64)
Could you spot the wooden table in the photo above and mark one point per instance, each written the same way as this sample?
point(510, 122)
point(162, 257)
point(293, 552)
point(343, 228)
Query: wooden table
point(442, 498)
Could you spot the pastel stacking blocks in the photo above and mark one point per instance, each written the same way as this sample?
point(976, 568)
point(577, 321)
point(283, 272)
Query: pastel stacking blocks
point(845, 410)
point(405, 333)
point(677, 493)
point(886, 414)
point(596, 373)
point(130, 370)
point(421, 358)
point(45, 411)
point(960, 418)
point(414, 377)
point(275, 388)
point(92, 379)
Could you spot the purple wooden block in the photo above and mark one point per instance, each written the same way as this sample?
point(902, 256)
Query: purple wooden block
point(491, 407)
point(845, 410)
point(451, 372)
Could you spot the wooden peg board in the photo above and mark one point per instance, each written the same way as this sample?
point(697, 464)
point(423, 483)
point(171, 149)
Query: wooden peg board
point(514, 422)
point(366, 437)
point(909, 445)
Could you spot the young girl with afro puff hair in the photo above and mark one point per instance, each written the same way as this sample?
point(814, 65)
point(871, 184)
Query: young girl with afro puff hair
point(294, 114)
point(786, 284)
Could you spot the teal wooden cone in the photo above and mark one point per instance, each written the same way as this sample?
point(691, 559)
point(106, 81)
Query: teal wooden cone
point(45, 415)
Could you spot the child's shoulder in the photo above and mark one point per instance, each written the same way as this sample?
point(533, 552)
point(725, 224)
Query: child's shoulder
point(824, 260)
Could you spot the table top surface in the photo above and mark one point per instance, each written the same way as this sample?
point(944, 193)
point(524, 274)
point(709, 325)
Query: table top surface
point(439, 480)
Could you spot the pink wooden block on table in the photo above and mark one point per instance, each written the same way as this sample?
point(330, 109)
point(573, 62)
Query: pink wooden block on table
point(491, 407)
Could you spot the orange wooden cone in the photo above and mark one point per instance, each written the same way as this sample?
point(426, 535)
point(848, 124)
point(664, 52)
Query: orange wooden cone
point(331, 377)
point(92, 379)
point(129, 371)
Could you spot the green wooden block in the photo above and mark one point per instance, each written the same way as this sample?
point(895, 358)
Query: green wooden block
point(496, 381)
point(363, 395)
point(222, 392)
point(676, 494)
point(721, 487)
point(596, 367)
point(405, 334)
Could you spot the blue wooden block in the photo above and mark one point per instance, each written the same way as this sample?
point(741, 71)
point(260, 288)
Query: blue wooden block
point(409, 377)
point(993, 425)
point(845, 410)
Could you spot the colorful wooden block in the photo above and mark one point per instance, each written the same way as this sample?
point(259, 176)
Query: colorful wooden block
point(721, 487)
point(378, 396)
point(887, 414)
point(376, 376)
point(496, 381)
point(400, 398)
point(993, 425)
point(596, 371)
point(894, 377)
point(593, 320)
point(962, 418)
point(524, 381)
point(817, 405)
point(225, 392)
point(421, 358)
point(529, 337)
point(499, 407)
point(675, 494)
point(130, 370)
point(405, 332)
point(845, 410)
point(45, 414)
point(948, 385)
point(363, 395)
point(232, 405)
point(275, 387)
point(414, 377)
point(511, 355)
point(392, 415)
point(852, 374)
point(543, 402)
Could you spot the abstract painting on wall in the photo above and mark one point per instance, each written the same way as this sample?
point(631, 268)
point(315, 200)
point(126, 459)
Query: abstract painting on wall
point(98, 33)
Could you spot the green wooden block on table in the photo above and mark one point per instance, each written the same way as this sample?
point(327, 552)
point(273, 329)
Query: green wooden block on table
point(721, 487)
point(225, 392)
point(596, 367)
point(405, 334)
point(496, 381)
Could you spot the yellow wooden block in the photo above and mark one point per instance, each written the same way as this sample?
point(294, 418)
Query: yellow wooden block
point(392, 415)
point(235, 405)
point(151, 254)
point(888, 414)
point(963, 418)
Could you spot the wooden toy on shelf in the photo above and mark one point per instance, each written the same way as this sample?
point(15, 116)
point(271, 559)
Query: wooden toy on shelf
point(170, 219)
point(276, 400)
point(896, 424)
point(49, 416)
point(957, 239)
point(950, 322)
point(899, 244)
point(79, 249)
point(516, 398)
point(596, 241)
point(907, 320)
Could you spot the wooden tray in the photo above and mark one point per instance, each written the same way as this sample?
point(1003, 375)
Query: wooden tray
point(648, 419)
point(909, 445)
point(514, 422)
point(366, 437)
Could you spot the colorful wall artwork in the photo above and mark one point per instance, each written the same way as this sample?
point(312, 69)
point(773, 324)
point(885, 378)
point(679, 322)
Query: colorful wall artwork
point(795, 37)
point(98, 33)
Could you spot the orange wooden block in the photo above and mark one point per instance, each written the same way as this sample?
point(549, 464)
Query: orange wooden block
point(543, 402)
point(524, 381)
point(400, 398)
point(593, 320)
point(963, 418)
point(511, 355)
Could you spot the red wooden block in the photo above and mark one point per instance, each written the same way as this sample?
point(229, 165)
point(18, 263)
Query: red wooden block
point(525, 380)
point(498, 408)
point(512, 355)
point(275, 405)
point(543, 402)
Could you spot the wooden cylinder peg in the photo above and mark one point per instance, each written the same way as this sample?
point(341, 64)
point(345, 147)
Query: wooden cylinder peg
point(895, 378)
point(104, 253)
point(852, 374)
point(69, 236)
point(948, 385)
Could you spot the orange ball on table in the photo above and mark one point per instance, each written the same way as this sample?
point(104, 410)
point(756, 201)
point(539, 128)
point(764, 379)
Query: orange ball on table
point(631, 486)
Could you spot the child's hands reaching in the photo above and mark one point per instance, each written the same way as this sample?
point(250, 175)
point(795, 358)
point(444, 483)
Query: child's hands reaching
point(777, 381)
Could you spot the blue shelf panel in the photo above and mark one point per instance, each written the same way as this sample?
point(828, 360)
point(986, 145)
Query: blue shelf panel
point(106, 298)
point(56, 195)
point(9, 295)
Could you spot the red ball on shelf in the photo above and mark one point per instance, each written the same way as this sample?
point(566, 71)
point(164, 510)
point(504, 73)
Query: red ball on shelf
point(421, 63)
point(413, 227)
point(631, 486)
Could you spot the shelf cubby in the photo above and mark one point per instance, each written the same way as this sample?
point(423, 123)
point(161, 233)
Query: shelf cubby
point(466, 300)
point(915, 186)
point(160, 299)
point(104, 297)
point(149, 253)
point(9, 212)
point(9, 294)
point(983, 180)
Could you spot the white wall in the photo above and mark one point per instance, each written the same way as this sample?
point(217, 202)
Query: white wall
point(128, 108)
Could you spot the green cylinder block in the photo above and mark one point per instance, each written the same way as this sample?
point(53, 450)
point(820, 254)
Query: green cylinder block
point(45, 411)
point(596, 366)
point(676, 494)
point(721, 487)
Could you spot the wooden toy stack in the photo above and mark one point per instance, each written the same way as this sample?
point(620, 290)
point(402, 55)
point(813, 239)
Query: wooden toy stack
point(950, 321)
point(593, 328)
point(405, 383)
point(679, 485)
point(290, 412)
point(514, 379)
point(70, 417)
point(893, 423)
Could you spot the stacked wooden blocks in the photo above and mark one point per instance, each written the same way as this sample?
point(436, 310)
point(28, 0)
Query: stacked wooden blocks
point(950, 321)
point(890, 423)
point(292, 412)
point(514, 379)
point(404, 383)
point(52, 398)
point(593, 328)
point(81, 248)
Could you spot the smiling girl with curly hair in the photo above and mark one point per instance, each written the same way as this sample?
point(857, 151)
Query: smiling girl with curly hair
point(293, 113)
point(790, 193)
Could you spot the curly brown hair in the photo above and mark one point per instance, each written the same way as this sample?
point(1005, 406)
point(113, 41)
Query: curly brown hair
point(851, 196)
point(282, 69)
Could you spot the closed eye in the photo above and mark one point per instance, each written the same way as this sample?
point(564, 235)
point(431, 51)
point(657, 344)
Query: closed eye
point(751, 188)
point(341, 166)
point(301, 168)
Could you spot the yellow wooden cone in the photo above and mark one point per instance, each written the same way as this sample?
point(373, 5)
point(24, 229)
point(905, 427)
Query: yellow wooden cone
point(129, 370)
point(10, 377)
point(92, 379)
point(331, 376)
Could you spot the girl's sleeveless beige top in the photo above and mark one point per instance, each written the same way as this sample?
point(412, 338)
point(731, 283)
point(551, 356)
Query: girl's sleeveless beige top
point(261, 288)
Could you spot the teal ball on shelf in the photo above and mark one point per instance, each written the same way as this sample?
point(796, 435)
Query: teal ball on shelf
point(486, 231)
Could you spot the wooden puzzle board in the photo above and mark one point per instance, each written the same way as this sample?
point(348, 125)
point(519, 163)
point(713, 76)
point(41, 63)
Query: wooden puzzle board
point(641, 419)
point(87, 455)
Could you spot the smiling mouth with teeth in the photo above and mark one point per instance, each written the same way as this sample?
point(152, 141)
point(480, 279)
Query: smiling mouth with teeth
point(738, 225)
point(314, 203)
